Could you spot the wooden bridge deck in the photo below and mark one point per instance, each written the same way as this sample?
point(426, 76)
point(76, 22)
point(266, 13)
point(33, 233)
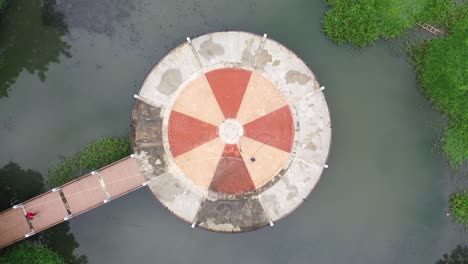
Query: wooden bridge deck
point(69, 200)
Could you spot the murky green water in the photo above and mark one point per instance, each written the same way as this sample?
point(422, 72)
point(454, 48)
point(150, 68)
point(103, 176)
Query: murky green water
point(383, 199)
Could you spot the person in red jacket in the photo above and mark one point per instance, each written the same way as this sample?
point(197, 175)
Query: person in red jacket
point(30, 215)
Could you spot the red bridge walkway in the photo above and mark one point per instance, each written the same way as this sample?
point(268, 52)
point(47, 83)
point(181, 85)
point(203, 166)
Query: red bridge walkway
point(69, 200)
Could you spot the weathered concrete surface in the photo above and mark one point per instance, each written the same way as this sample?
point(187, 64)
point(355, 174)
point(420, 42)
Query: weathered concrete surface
point(146, 134)
point(168, 75)
point(233, 47)
point(298, 84)
point(178, 194)
point(232, 215)
point(191, 176)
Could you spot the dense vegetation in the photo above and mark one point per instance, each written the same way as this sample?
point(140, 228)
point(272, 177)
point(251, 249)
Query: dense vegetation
point(458, 256)
point(28, 253)
point(459, 206)
point(442, 70)
point(363, 22)
point(95, 155)
point(17, 185)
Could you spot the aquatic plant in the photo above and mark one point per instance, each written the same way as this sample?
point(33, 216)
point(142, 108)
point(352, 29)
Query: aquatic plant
point(459, 206)
point(95, 155)
point(442, 70)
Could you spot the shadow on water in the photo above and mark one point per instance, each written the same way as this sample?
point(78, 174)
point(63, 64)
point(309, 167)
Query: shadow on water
point(96, 16)
point(31, 34)
point(16, 185)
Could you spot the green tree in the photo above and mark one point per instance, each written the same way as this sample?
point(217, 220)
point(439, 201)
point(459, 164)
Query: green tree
point(458, 256)
point(30, 253)
point(95, 155)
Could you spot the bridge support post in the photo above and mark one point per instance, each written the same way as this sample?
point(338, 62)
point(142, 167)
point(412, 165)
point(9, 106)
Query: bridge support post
point(30, 234)
point(68, 217)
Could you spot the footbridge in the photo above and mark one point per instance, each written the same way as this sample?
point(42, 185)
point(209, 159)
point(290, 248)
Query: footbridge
point(69, 200)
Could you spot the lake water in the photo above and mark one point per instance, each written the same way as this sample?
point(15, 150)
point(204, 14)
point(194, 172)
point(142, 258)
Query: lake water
point(68, 77)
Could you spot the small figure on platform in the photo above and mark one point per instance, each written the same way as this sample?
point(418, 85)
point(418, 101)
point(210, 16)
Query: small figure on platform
point(30, 215)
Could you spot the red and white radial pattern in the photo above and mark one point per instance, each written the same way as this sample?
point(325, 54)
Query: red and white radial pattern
point(231, 131)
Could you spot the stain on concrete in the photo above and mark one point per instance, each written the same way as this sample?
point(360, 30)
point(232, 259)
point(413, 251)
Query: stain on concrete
point(146, 128)
point(248, 56)
point(263, 58)
point(276, 63)
point(146, 168)
point(146, 137)
point(232, 215)
point(211, 223)
point(293, 191)
point(311, 146)
point(170, 81)
point(209, 49)
point(293, 76)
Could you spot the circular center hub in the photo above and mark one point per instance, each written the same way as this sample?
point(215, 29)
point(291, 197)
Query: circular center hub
point(231, 131)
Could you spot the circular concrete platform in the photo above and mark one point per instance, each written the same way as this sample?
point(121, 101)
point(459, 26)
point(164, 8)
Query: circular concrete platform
point(231, 130)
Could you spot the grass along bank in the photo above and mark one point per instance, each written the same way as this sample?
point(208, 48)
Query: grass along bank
point(442, 69)
point(361, 23)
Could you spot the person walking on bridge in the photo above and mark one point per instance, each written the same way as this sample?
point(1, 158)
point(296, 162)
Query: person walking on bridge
point(30, 215)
